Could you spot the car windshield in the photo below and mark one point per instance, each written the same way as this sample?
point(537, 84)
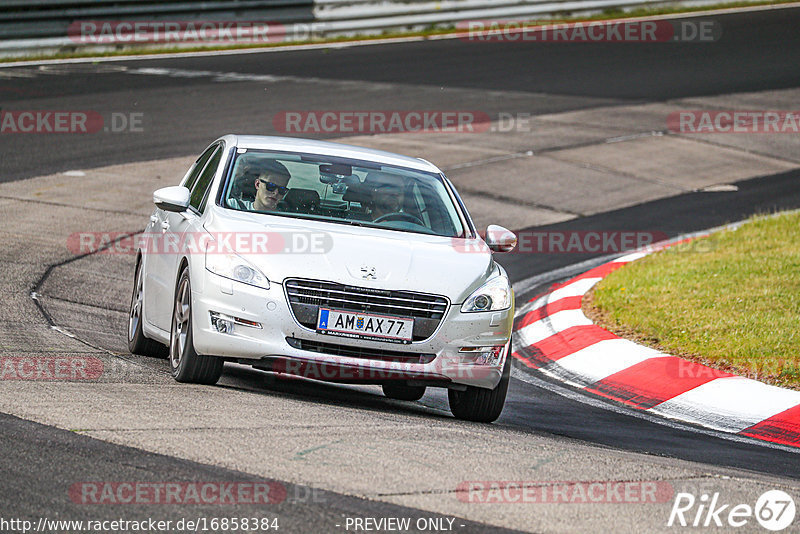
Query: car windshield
point(343, 191)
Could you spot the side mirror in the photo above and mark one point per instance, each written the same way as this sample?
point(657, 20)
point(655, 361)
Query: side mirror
point(174, 198)
point(500, 239)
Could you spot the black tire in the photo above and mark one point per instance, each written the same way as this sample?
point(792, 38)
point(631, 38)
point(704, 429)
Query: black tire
point(137, 343)
point(480, 404)
point(403, 391)
point(184, 362)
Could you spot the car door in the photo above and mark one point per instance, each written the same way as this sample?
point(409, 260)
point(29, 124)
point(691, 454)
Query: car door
point(168, 231)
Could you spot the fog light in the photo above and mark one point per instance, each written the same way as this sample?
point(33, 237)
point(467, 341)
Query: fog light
point(222, 323)
point(484, 355)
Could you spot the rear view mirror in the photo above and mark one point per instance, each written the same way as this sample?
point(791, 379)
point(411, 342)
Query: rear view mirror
point(174, 198)
point(330, 173)
point(500, 239)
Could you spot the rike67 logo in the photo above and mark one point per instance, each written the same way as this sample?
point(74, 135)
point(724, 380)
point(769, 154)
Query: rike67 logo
point(774, 510)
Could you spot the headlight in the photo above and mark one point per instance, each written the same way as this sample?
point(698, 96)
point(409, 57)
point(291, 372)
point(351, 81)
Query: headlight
point(236, 268)
point(492, 296)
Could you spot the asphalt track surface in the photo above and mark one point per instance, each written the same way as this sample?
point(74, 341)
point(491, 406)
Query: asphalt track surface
point(31, 479)
point(751, 56)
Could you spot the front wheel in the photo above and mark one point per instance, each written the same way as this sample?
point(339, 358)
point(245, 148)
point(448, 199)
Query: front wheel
point(480, 404)
point(186, 365)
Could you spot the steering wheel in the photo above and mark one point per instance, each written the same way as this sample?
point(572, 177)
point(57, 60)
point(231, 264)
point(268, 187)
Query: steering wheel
point(400, 216)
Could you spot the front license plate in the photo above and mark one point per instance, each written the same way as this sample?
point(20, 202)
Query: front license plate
point(365, 326)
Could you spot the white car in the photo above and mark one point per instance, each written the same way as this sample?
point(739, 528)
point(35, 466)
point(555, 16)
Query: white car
point(327, 261)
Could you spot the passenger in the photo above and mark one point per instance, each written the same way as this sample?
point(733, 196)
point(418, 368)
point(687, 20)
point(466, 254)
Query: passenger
point(386, 194)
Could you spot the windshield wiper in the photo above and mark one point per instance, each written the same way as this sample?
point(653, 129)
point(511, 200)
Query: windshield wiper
point(353, 222)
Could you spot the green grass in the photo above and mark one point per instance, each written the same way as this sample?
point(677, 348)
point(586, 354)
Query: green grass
point(730, 301)
point(430, 32)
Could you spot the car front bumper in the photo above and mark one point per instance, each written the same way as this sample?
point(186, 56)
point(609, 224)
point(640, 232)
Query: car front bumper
point(448, 358)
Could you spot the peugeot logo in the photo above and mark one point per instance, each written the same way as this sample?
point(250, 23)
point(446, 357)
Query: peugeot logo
point(368, 273)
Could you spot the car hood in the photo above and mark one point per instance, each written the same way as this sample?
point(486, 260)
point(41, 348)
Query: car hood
point(283, 248)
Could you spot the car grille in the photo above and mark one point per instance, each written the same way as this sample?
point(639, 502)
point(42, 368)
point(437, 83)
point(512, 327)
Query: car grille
point(360, 352)
point(307, 296)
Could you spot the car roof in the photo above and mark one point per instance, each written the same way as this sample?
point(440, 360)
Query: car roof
point(327, 148)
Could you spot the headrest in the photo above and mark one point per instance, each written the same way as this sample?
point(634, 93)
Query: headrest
point(301, 200)
point(363, 192)
point(379, 178)
point(244, 188)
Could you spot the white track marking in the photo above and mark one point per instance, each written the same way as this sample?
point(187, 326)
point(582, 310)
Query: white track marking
point(553, 324)
point(605, 358)
point(729, 404)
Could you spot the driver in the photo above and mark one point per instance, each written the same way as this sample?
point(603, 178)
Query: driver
point(270, 186)
point(386, 195)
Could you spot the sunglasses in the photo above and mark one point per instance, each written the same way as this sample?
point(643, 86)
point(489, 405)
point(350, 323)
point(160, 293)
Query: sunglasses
point(282, 189)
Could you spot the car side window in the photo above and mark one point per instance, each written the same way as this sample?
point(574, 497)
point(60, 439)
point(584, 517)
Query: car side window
point(204, 181)
point(198, 166)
